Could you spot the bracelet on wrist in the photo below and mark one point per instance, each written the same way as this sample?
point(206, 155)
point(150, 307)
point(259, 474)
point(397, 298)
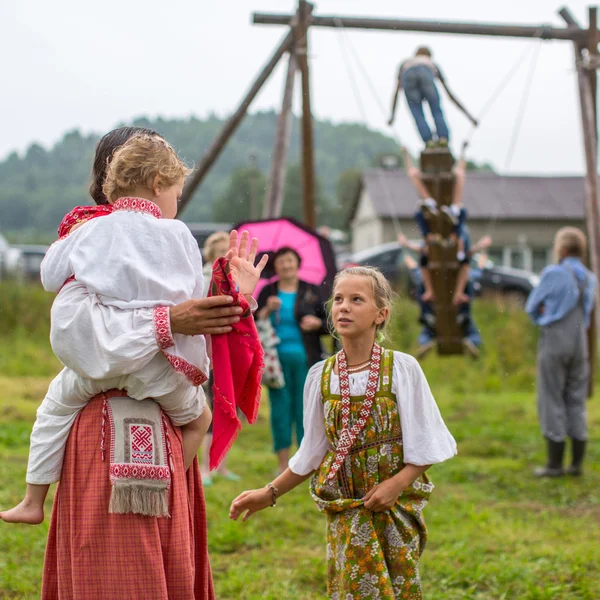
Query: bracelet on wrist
point(274, 493)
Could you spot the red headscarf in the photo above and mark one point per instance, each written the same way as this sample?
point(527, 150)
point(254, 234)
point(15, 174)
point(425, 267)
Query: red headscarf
point(80, 214)
point(237, 368)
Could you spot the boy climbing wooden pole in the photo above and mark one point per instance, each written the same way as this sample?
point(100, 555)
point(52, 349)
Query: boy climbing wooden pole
point(417, 77)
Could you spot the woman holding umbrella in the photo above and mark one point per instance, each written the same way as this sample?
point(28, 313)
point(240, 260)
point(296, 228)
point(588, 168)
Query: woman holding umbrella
point(297, 311)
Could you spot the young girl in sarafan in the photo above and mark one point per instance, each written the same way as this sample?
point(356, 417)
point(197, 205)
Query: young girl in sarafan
point(136, 256)
point(372, 429)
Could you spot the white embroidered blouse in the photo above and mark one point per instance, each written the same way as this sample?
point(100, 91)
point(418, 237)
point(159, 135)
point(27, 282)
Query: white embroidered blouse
point(133, 264)
point(426, 439)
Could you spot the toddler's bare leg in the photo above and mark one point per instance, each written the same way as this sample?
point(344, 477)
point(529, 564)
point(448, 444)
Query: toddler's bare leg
point(31, 509)
point(193, 433)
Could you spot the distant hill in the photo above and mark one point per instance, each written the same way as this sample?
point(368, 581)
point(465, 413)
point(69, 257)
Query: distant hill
point(36, 189)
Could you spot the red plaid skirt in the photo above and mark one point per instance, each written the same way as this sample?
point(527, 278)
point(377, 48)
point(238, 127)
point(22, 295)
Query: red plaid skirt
point(95, 555)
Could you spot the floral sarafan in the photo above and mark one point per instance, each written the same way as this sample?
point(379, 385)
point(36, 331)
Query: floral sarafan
point(370, 555)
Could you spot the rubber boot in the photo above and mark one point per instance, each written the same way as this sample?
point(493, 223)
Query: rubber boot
point(578, 450)
point(554, 466)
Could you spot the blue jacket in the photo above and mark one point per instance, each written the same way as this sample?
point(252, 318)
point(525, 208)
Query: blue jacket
point(559, 293)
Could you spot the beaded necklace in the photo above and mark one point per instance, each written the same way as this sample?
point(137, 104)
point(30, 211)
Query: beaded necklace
point(349, 434)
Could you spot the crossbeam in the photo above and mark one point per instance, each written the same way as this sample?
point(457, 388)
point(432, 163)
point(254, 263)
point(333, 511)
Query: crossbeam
point(545, 32)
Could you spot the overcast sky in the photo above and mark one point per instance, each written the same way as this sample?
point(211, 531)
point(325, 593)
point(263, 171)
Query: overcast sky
point(76, 64)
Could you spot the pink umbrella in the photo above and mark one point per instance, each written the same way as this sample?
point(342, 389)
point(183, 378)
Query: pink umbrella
point(316, 251)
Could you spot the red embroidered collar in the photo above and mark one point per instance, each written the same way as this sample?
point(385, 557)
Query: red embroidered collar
point(138, 205)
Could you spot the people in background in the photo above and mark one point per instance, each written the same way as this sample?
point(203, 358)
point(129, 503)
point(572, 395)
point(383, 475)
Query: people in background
point(417, 76)
point(297, 312)
point(561, 305)
point(215, 246)
point(427, 317)
point(456, 217)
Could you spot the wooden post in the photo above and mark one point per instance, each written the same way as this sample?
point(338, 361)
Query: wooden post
point(308, 177)
point(587, 103)
point(211, 155)
point(592, 45)
point(274, 201)
point(592, 207)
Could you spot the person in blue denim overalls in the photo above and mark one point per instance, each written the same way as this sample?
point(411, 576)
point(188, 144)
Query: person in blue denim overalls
point(417, 76)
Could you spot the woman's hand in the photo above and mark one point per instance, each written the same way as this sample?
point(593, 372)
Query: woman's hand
point(204, 316)
point(310, 323)
point(250, 501)
point(273, 304)
point(384, 495)
point(241, 260)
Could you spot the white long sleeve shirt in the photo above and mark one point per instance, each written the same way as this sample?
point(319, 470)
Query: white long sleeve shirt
point(426, 439)
point(135, 264)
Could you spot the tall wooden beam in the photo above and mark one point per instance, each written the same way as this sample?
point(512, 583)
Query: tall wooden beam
point(587, 104)
point(274, 201)
point(308, 177)
point(592, 47)
point(213, 151)
point(544, 32)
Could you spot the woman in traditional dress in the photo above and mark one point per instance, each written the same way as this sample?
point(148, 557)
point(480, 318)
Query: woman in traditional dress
point(372, 430)
point(91, 553)
point(297, 313)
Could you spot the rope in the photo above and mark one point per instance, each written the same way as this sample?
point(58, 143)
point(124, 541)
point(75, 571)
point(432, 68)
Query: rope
point(533, 50)
point(516, 131)
point(368, 80)
point(361, 107)
point(502, 85)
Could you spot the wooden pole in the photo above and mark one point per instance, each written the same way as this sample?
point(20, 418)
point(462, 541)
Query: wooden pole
point(544, 32)
point(274, 201)
point(592, 207)
point(308, 179)
point(587, 103)
point(592, 45)
point(211, 155)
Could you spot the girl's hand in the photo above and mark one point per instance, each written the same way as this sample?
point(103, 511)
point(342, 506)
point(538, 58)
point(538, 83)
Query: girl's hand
point(241, 259)
point(384, 495)
point(251, 501)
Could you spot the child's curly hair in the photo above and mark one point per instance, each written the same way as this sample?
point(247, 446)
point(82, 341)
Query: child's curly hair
point(138, 163)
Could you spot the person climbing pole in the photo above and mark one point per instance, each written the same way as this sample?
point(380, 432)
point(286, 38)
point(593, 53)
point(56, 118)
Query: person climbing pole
point(417, 76)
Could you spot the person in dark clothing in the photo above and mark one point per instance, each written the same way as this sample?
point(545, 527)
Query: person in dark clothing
point(297, 311)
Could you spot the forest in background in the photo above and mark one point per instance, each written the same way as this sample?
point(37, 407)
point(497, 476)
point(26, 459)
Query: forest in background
point(40, 186)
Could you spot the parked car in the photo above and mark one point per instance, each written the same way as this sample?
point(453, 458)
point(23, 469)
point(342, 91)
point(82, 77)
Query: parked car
point(494, 279)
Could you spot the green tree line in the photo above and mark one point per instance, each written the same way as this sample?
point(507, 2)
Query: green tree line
point(39, 187)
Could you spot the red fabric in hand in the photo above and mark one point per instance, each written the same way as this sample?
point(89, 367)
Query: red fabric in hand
point(237, 359)
point(80, 214)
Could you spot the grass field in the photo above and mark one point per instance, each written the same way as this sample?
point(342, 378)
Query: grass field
point(494, 531)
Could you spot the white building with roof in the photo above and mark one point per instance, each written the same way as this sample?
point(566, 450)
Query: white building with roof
point(520, 213)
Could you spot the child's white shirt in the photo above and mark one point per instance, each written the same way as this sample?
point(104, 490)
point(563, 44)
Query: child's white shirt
point(128, 262)
point(425, 437)
point(131, 259)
